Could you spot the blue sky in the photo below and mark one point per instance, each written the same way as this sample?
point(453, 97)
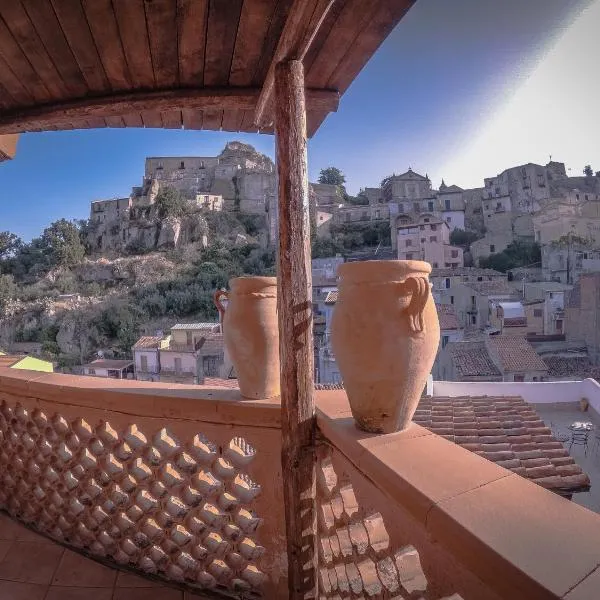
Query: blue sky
point(456, 91)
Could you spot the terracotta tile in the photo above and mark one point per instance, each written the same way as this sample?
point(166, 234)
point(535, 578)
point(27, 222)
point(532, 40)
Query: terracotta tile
point(411, 471)
point(74, 593)
point(10, 590)
point(587, 589)
point(77, 570)
point(31, 562)
point(130, 580)
point(9, 529)
point(163, 593)
point(513, 534)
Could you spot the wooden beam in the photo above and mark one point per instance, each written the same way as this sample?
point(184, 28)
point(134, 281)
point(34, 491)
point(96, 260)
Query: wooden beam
point(8, 146)
point(62, 114)
point(296, 332)
point(304, 20)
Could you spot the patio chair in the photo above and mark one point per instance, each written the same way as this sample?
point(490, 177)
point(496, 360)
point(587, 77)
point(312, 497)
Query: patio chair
point(579, 438)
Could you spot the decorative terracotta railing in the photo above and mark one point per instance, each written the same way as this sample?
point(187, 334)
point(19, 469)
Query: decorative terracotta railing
point(184, 483)
point(147, 478)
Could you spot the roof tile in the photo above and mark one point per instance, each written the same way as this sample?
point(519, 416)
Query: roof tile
point(537, 457)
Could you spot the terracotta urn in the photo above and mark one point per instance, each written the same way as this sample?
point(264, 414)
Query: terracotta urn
point(385, 335)
point(251, 333)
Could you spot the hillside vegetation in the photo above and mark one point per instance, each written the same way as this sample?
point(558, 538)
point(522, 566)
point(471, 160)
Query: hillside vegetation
point(55, 291)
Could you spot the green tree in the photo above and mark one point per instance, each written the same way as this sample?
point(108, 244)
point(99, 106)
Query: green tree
point(516, 254)
point(587, 171)
point(9, 244)
point(460, 237)
point(332, 176)
point(61, 242)
point(8, 289)
point(170, 203)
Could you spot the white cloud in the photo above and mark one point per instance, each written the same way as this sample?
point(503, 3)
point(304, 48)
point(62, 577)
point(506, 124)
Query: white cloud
point(554, 112)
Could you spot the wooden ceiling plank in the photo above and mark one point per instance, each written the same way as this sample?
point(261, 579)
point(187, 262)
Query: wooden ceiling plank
point(355, 15)
point(255, 20)
point(192, 119)
point(223, 19)
point(13, 55)
point(133, 120)
point(26, 36)
point(48, 28)
point(232, 120)
point(172, 119)
point(96, 122)
point(270, 42)
point(192, 18)
point(212, 100)
point(248, 122)
point(76, 29)
point(103, 26)
point(368, 41)
point(151, 118)
point(11, 84)
point(161, 17)
point(302, 25)
point(212, 119)
point(115, 122)
point(131, 21)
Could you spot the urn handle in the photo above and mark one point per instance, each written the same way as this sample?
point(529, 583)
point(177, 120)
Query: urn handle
point(217, 298)
point(419, 287)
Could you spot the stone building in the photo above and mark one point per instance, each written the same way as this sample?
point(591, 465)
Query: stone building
point(527, 185)
point(473, 300)
point(244, 177)
point(450, 331)
point(428, 241)
point(444, 279)
point(108, 211)
point(565, 262)
point(492, 358)
point(553, 294)
point(582, 314)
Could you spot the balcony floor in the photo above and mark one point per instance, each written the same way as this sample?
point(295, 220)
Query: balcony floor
point(33, 567)
point(559, 420)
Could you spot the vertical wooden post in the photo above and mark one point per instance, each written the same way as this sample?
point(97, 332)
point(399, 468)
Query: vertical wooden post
point(295, 331)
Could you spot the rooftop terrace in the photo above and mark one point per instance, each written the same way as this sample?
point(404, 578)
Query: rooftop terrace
point(183, 485)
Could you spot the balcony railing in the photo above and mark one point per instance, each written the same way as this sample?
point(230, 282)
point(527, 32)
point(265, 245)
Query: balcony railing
point(184, 484)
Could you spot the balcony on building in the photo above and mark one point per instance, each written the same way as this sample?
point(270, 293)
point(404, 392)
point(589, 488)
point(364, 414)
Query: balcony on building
point(123, 489)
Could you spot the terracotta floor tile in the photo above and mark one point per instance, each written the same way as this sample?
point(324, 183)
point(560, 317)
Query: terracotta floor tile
point(79, 571)
point(31, 562)
point(10, 590)
point(162, 593)
point(9, 529)
point(135, 581)
point(4, 548)
point(57, 592)
point(26, 535)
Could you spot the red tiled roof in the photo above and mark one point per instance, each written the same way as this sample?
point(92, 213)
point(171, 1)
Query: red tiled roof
point(471, 359)
point(515, 322)
point(447, 317)
point(148, 341)
point(571, 366)
point(516, 354)
point(231, 384)
point(507, 431)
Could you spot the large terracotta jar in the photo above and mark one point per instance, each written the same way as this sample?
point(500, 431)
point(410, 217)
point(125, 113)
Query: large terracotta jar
point(385, 334)
point(251, 333)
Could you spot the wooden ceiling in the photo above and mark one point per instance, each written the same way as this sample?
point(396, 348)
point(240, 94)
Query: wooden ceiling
point(194, 64)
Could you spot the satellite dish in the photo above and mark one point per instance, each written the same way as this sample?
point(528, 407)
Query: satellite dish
point(100, 353)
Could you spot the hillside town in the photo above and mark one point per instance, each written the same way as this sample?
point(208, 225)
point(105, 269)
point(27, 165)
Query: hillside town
point(227, 374)
point(515, 263)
